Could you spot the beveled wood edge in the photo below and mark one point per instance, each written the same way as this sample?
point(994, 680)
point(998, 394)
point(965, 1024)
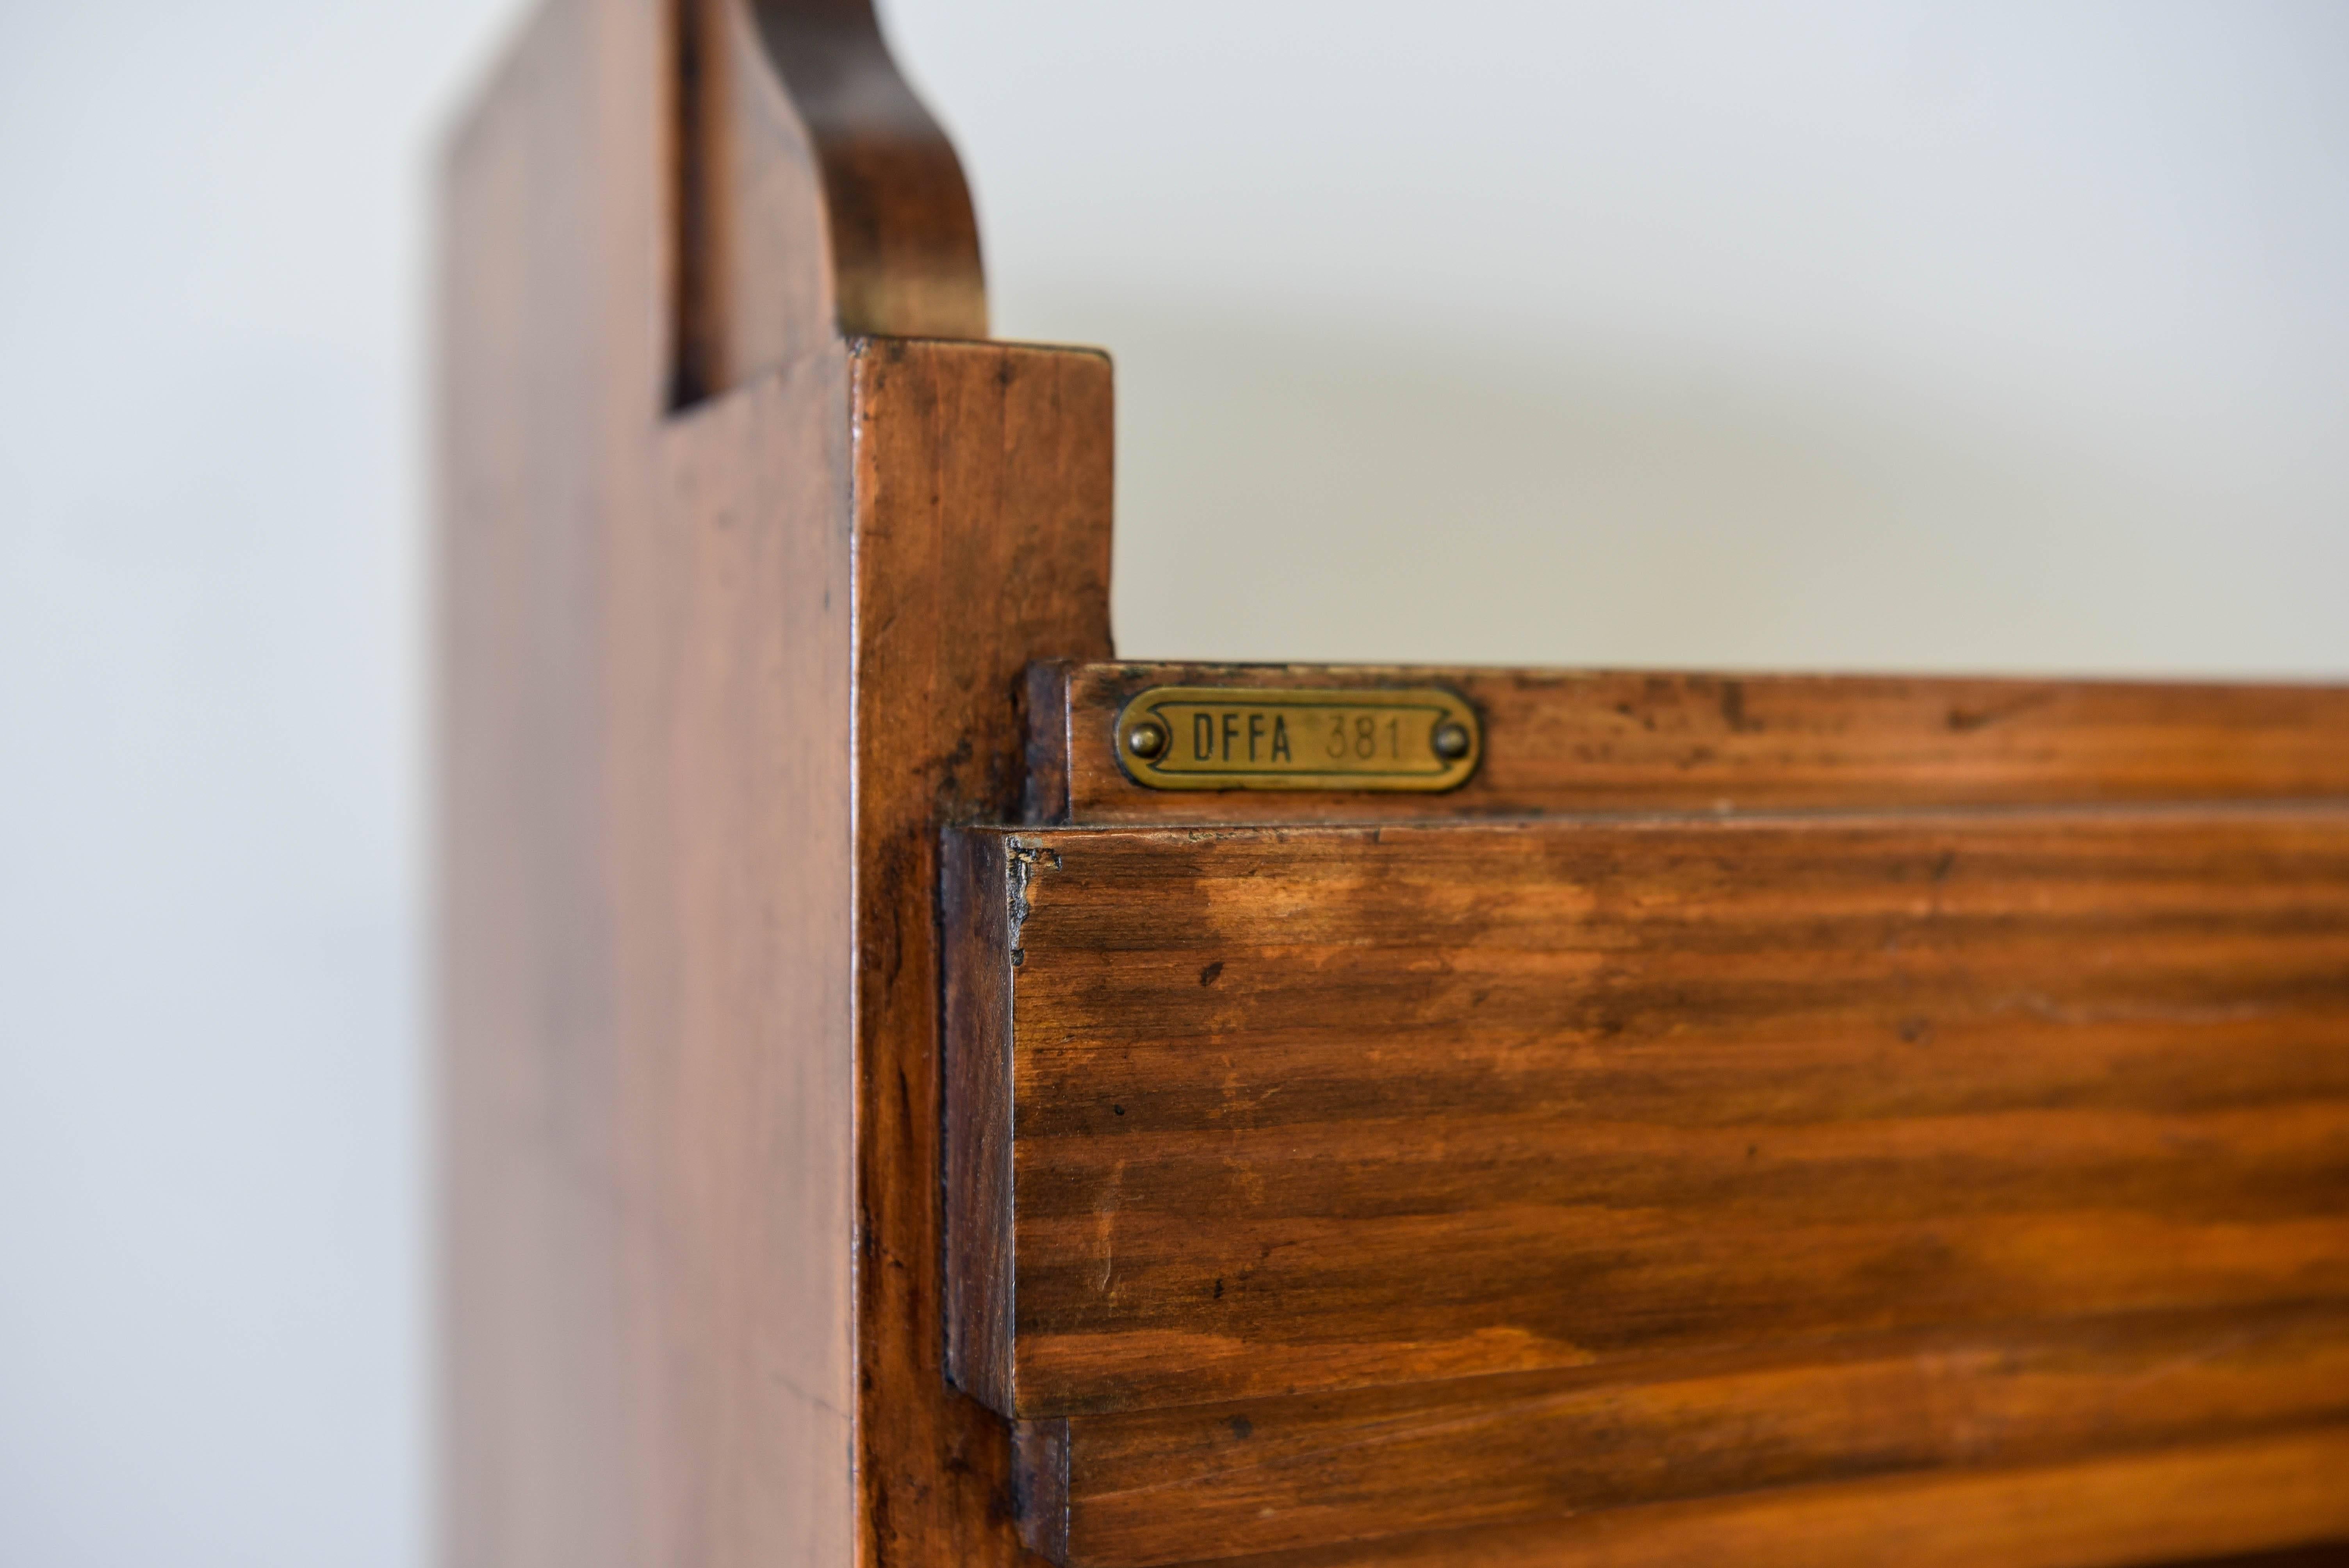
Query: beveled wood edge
point(1044, 795)
point(986, 1298)
point(976, 1027)
point(1041, 1451)
point(1958, 813)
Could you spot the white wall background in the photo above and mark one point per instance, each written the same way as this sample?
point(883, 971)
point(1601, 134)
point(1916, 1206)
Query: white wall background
point(1959, 335)
point(1962, 336)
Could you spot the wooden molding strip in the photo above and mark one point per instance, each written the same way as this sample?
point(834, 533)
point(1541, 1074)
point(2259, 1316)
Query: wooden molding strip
point(1565, 741)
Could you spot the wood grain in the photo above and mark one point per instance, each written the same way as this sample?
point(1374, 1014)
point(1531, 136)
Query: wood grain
point(981, 514)
point(728, 648)
point(976, 896)
point(2164, 1505)
point(1163, 1486)
point(1311, 1108)
point(1563, 741)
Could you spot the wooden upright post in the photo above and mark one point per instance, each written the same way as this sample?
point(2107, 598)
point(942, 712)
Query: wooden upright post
point(746, 538)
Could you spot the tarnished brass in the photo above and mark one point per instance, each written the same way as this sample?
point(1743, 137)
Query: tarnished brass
point(1240, 737)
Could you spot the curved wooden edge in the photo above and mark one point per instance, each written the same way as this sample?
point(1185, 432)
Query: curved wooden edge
point(813, 195)
point(905, 240)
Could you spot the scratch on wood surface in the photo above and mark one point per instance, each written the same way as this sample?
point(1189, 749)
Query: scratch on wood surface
point(1105, 1208)
point(2040, 1005)
point(1024, 863)
point(1966, 720)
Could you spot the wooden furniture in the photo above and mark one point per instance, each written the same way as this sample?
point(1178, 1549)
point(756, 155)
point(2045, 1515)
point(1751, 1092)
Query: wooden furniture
point(1781, 1120)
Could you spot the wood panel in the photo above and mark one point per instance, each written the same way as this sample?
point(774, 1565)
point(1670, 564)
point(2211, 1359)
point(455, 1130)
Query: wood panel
point(550, 384)
point(710, 680)
point(1223, 1479)
point(1314, 1108)
point(1794, 1081)
point(2161, 1506)
point(1562, 741)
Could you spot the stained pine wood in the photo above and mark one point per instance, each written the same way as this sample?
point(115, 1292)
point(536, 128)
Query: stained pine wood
point(1301, 1124)
point(551, 379)
point(1562, 741)
point(2163, 1505)
point(1323, 1108)
point(1223, 1479)
point(811, 195)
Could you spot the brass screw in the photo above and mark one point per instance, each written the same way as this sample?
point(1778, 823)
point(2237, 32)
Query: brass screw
point(1450, 741)
point(1146, 739)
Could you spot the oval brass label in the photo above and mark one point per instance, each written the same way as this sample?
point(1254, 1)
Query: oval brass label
point(1240, 737)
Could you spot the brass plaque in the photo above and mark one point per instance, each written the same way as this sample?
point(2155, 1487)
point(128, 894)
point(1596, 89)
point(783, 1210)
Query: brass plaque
point(1239, 738)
